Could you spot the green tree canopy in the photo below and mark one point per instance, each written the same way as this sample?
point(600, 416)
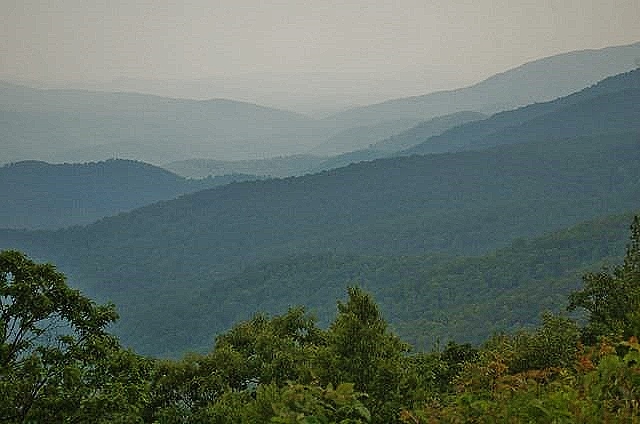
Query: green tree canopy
point(361, 350)
point(56, 358)
point(612, 299)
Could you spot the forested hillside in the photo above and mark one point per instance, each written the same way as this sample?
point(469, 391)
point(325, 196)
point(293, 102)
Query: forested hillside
point(454, 204)
point(285, 368)
point(39, 195)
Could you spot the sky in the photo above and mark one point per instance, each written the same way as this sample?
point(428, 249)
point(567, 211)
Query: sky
point(409, 45)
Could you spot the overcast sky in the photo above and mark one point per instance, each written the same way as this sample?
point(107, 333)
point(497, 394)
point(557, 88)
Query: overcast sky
point(457, 41)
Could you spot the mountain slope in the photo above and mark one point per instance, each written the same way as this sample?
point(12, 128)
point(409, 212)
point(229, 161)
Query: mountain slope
point(455, 204)
point(284, 166)
point(430, 298)
point(425, 130)
point(403, 140)
point(46, 196)
point(611, 105)
point(361, 137)
point(77, 125)
point(537, 81)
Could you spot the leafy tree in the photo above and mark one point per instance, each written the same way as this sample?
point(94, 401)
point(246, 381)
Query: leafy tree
point(554, 344)
point(612, 300)
point(56, 359)
point(274, 350)
point(361, 350)
point(298, 403)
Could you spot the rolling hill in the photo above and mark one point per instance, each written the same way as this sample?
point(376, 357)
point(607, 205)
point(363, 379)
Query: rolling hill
point(39, 195)
point(158, 262)
point(284, 166)
point(401, 141)
point(303, 164)
point(361, 137)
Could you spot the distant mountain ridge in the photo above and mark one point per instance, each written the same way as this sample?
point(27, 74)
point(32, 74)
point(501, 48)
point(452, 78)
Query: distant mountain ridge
point(78, 126)
point(403, 140)
point(40, 195)
point(284, 166)
point(296, 165)
point(357, 138)
point(612, 104)
point(537, 81)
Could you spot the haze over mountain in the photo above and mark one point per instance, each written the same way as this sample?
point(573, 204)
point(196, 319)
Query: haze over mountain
point(465, 171)
point(78, 125)
point(403, 140)
point(610, 105)
point(349, 139)
point(278, 167)
point(537, 81)
point(39, 195)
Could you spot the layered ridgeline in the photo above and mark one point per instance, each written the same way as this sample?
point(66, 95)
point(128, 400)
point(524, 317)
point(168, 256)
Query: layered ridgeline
point(538, 81)
point(78, 125)
point(179, 264)
point(403, 140)
point(39, 195)
point(282, 166)
point(158, 262)
point(303, 164)
point(610, 105)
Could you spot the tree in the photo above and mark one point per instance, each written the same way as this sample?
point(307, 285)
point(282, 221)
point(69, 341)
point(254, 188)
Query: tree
point(361, 350)
point(56, 358)
point(274, 350)
point(612, 300)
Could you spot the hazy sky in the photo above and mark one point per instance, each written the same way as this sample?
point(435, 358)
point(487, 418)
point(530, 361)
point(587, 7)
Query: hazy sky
point(459, 41)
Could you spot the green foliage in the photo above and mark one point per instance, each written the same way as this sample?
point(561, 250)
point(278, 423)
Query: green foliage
point(309, 404)
point(60, 365)
point(360, 349)
point(553, 345)
point(274, 350)
point(612, 300)
point(56, 359)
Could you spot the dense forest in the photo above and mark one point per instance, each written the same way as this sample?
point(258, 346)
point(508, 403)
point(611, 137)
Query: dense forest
point(202, 242)
point(59, 363)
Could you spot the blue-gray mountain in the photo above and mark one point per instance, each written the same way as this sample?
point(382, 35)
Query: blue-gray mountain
point(77, 125)
point(538, 81)
point(609, 106)
point(39, 195)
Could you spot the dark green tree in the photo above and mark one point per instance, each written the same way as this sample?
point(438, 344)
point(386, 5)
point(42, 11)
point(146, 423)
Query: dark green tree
point(612, 299)
point(57, 362)
point(361, 350)
point(259, 352)
point(274, 350)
